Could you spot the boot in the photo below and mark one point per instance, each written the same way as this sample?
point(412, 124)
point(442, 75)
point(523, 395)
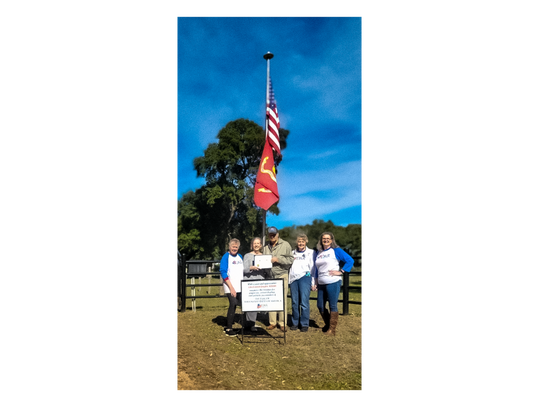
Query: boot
point(326, 319)
point(333, 323)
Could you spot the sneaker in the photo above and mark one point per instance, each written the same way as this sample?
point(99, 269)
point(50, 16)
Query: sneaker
point(253, 328)
point(230, 332)
point(303, 329)
point(294, 328)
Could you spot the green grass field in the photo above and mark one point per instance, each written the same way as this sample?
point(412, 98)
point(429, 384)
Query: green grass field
point(210, 360)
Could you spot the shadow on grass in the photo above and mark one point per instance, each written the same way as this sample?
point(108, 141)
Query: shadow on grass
point(261, 334)
point(248, 336)
point(262, 317)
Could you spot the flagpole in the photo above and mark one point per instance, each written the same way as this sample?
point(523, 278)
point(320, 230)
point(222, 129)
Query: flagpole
point(268, 56)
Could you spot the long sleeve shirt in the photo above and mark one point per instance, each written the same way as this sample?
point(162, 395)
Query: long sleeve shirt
point(249, 260)
point(232, 268)
point(332, 259)
point(283, 251)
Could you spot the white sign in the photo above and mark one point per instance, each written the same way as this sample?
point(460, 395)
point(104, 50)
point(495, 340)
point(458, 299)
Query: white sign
point(263, 261)
point(262, 295)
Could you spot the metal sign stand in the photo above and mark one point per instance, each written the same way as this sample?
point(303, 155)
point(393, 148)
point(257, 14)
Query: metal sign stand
point(267, 306)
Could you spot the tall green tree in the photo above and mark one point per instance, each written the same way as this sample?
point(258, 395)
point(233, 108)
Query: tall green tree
point(223, 208)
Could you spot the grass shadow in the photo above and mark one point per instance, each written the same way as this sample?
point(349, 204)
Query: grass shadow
point(262, 318)
point(220, 320)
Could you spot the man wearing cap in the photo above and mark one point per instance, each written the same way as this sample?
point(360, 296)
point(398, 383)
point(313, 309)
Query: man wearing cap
point(282, 259)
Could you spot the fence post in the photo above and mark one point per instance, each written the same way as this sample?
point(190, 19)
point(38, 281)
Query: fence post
point(345, 293)
point(193, 294)
point(209, 279)
point(177, 268)
point(183, 284)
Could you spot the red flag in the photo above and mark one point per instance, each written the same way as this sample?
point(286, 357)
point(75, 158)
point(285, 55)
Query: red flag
point(266, 190)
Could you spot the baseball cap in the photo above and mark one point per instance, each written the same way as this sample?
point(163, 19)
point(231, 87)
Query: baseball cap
point(272, 230)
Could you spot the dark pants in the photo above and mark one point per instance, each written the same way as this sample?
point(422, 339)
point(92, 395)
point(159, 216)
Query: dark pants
point(233, 302)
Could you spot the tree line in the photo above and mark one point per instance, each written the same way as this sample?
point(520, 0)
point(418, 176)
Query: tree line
point(223, 207)
point(349, 237)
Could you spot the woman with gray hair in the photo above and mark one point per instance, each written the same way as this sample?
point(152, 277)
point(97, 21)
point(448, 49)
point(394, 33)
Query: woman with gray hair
point(231, 268)
point(301, 282)
point(252, 272)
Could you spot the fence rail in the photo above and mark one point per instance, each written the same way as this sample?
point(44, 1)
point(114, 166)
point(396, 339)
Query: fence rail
point(202, 268)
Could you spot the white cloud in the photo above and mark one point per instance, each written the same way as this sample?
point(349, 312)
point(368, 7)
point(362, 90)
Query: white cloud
point(307, 194)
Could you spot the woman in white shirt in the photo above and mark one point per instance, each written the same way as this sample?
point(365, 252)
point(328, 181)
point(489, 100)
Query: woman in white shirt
point(330, 262)
point(301, 282)
point(231, 268)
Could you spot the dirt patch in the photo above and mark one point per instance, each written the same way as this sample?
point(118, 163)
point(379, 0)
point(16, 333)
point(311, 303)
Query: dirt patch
point(184, 381)
point(210, 360)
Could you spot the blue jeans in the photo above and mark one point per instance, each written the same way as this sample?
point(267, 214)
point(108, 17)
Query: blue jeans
point(330, 293)
point(300, 290)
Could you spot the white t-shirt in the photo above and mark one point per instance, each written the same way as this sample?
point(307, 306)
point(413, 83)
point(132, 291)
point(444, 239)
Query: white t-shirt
point(233, 268)
point(329, 260)
point(302, 265)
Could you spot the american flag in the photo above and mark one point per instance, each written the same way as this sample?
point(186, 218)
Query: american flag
point(272, 129)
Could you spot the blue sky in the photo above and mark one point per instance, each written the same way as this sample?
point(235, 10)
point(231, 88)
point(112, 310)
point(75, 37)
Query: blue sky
point(316, 75)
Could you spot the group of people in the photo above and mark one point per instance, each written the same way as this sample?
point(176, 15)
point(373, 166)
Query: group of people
point(302, 270)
